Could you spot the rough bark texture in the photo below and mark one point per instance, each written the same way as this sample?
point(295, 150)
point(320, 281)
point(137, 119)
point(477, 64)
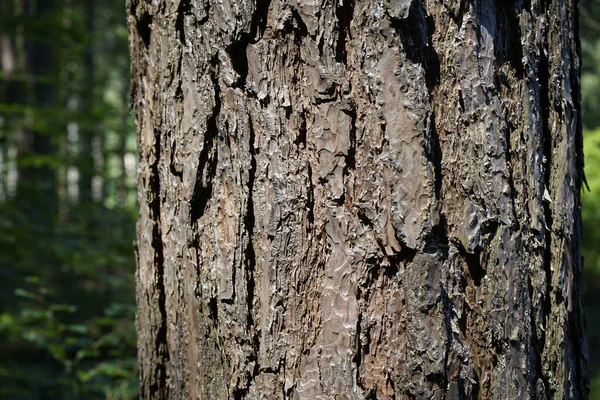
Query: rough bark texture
point(358, 199)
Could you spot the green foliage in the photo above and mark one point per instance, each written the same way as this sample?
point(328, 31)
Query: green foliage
point(591, 252)
point(590, 89)
point(70, 330)
point(591, 201)
point(67, 305)
point(590, 77)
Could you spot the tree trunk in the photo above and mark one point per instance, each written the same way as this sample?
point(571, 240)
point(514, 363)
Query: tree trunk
point(38, 182)
point(87, 169)
point(358, 199)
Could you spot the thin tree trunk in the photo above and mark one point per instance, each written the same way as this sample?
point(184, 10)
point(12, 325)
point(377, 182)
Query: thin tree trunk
point(358, 199)
point(7, 68)
point(86, 165)
point(38, 182)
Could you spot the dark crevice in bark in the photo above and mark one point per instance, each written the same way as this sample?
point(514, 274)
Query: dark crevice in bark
point(321, 45)
point(142, 25)
point(301, 136)
point(241, 392)
point(432, 63)
point(237, 49)
point(183, 9)
point(438, 239)
point(207, 164)
point(310, 202)
point(162, 351)
point(300, 28)
point(214, 309)
point(249, 222)
point(239, 60)
point(461, 103)
point(392, 269)
point(357, 359)
point(351, 157)
point(545, 6)
point(433, 152)
point(258, 25)
point(416, 34)
point(537, 345)
point(344, 12)
point(457, 15)
point(438, 379)
point(508, 153)
point(473, 261)
point(338, 201)
point(507, 46)
point(271, 370)
point(476, 384)
point(327, 96)
point(365, 220)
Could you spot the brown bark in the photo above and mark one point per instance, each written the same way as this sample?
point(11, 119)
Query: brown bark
point(358, 199)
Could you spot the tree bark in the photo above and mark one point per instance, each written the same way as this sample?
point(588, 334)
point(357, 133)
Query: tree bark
point(358, 199)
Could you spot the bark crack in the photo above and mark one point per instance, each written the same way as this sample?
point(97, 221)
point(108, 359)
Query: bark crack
point(159, 382)
point(310, 203)
point(351, 156)
point(143, 26)
point(249, 222)
point(345, 13)
point(207, 164)
point(183, 9)
point(301, 137)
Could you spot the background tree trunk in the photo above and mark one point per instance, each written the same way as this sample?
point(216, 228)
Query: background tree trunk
point(38, 182)
point(358, 199)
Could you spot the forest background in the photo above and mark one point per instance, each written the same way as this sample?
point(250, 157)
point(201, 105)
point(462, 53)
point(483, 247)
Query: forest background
point(68, 199)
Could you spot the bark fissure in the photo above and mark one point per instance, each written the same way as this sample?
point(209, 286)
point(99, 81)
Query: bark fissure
point(508, 47)
point(158, 385)
point(239, 59)
point(538, 348)
point(344, 12)
point(143, 25)
point(351, 156)
point(508, 152)
point(416, 34)
point(473, 261)
point(249, 222)
point(259, 19)
point(547, 140)
point(207, 165)
point(184, 9)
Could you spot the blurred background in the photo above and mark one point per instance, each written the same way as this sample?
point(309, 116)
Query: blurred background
point(590, 85)
point(68, 201)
